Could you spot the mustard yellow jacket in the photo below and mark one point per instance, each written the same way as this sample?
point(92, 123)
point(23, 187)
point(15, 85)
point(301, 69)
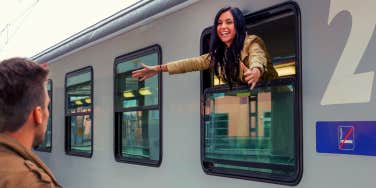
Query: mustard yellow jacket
point(253, 54)
point(21, 168)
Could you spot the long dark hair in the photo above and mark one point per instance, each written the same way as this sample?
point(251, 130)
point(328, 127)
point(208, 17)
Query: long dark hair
point(223, 58)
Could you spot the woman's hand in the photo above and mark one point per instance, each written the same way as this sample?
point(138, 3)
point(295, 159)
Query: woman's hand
point(146, 72)
point(251, 76)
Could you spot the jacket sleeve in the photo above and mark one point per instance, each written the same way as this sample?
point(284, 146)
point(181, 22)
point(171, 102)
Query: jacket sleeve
point(189, 65)
point(257, 57)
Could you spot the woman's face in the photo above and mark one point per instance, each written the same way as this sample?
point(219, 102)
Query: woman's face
point(226, 28)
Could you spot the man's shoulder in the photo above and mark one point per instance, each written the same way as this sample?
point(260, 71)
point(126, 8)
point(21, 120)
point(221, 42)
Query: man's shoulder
point(23, 179)
point(21, 172)
point(41, 174)
point(11, 160)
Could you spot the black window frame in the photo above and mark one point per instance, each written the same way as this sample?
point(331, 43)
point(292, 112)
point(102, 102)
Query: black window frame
point(50, 93)
point(67, 115)
point(298, 122)
point(156, 48)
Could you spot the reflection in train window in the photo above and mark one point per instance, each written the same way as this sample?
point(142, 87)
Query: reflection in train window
point(138, 110)
point(46, 145)
point(256, 134)
point(79, 112)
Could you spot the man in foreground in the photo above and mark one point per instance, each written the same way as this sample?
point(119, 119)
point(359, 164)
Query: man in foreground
point(23, 120)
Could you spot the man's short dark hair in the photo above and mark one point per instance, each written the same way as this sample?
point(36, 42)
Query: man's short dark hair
point(21, 90)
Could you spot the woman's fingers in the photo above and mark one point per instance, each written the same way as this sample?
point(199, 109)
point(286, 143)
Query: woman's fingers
point(135, 75)
point(143, 65)
point(138, 73)
point(146, 67)
point(251, 76)
point(243, 67)
point(250, 82)
point(253, 85)
point(143, 78)
point(144, 73)
point(146, 76)
point(248, 77)
point(256, 74)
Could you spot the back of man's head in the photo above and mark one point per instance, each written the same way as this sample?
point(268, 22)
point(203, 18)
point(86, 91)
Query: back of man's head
point(21, 90)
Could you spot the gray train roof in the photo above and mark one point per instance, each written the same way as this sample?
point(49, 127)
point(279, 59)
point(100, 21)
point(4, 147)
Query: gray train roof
point(112, 26)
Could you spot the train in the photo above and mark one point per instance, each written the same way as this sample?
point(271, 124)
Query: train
point(311, 127)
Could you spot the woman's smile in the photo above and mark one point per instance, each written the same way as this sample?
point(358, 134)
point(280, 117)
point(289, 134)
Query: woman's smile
point(226, 28)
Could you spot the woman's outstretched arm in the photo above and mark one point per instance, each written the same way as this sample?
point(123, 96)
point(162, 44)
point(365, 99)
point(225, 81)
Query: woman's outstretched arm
point(149, 71)
point(175, 67)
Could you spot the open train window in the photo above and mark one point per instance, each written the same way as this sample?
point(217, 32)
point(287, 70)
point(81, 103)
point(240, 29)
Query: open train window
point(257, 134)
point(79, 112)
point(138, 110)
point(46, 145)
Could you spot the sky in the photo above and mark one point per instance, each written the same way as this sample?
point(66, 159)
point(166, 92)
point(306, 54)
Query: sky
point(28, 27)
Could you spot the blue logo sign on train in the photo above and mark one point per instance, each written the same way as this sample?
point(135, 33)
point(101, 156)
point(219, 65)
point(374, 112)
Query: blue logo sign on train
point(346, 137)
point(346, 140)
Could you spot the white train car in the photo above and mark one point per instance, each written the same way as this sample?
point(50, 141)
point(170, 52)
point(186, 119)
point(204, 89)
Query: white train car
point(312, 127)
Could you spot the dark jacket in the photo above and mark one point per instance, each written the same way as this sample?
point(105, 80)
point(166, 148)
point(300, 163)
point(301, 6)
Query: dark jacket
point(20, 167)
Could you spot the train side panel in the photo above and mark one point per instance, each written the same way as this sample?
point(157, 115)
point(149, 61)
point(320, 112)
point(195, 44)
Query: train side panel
point(178, 34)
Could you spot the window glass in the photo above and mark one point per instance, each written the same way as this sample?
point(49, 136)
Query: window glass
point(46, 145)
point(138, 110)
point(251, 127)
point(80, 137)
point(79, 93)
point(78, 118)
point(131, 92)
point(140, 134)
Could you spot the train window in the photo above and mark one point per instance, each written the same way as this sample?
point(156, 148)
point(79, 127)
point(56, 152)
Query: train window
point(46, 145)
point(79, 112)
point(257, 134)
point(138, 122)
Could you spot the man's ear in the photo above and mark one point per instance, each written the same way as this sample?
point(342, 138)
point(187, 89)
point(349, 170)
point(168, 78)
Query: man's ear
point(38, 115)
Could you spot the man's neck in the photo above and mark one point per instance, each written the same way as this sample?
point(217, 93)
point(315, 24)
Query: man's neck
point(24, 139)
